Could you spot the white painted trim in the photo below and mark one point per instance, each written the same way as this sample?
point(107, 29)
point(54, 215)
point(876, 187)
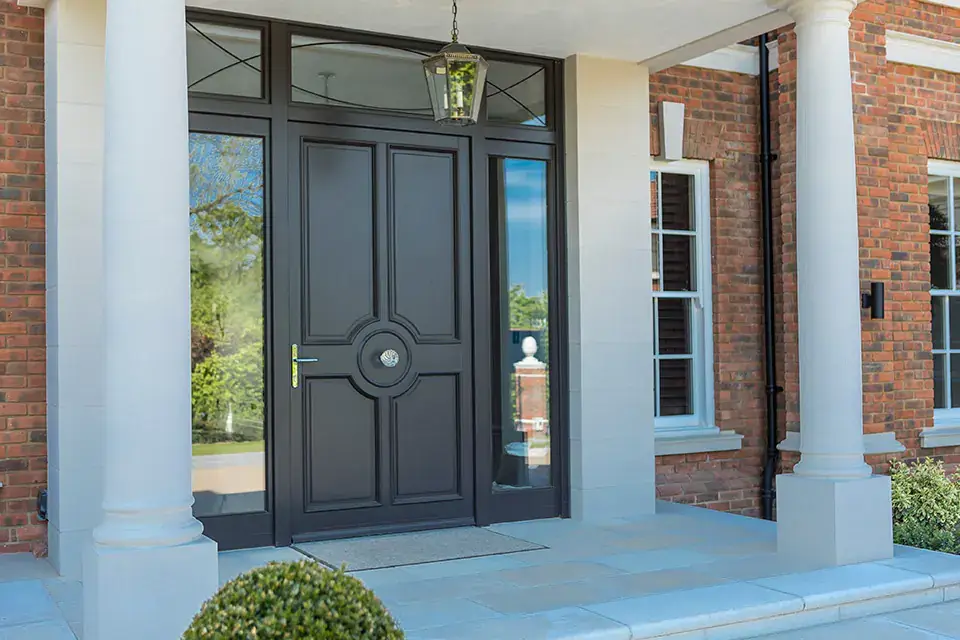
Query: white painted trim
point(943, 168)
point(764, 24)
point(873, 443)
point(946, 3)
point(668, 445)
point(702, 422)
point(737, 58)
point(918, 51)
point(39, 4)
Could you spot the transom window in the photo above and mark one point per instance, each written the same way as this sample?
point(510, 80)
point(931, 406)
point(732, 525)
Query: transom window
point(944, 205)
point(227, 60)
point(683, 335)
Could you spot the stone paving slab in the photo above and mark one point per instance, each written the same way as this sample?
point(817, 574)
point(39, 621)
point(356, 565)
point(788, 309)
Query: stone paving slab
point(684, 574)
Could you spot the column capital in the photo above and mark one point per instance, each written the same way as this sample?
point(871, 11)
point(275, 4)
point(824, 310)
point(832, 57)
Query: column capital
point(807, 11)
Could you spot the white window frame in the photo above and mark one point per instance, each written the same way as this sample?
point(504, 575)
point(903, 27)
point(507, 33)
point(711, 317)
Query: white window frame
point(697, 432)
point(946, 422)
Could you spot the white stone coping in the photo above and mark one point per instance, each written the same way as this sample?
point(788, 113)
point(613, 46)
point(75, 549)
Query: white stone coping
point(919, 51)
point(689, 441)
point(946, 434)
point(873, 443)
point(737, 58)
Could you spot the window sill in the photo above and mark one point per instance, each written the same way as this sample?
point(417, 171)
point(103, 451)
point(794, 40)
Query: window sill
point(712, 440)
point(944, 433)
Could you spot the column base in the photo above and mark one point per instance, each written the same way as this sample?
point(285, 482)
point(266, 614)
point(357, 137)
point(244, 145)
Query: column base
point(149, 593)
point(834, 522)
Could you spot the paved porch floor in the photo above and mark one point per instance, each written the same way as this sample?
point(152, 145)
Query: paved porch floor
point(684, 573)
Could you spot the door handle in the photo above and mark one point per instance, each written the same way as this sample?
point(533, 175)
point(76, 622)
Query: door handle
point(295, 361)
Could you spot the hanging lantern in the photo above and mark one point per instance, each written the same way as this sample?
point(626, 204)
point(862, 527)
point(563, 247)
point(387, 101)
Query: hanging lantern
point(455, 81)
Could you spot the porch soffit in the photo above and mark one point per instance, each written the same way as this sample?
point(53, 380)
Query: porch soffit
point(642, 30)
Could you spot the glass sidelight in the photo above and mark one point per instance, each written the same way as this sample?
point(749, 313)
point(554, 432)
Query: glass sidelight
point(522, 442)
point(227, 316)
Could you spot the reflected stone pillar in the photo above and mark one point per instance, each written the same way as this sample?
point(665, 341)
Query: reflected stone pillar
point(150, 568)
point(831, 509)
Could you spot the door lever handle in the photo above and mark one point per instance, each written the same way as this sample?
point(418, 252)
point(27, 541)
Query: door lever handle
point(295, 361)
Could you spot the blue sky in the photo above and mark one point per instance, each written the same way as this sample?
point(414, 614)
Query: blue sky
point(526, 188)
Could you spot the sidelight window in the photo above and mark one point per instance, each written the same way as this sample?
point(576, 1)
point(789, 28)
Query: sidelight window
point(683, 331)
point(522, 440)
point(227, 322)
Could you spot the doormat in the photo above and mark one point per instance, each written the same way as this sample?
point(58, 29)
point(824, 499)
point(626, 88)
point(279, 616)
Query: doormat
point(397, 550)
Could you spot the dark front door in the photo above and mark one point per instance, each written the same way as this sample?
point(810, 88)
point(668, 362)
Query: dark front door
point(380, 307)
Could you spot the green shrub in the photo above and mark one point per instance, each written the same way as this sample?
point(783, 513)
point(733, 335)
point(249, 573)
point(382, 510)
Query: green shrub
point(914, 534)
point(926, 506)
point(294, 600)
point(923, 493)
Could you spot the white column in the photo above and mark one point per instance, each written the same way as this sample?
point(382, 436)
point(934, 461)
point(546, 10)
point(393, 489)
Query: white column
point(150, 568)
point(611, 326)
point(831, 509)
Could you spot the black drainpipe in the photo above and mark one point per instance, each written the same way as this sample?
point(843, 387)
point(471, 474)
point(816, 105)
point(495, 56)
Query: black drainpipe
point(768, 492)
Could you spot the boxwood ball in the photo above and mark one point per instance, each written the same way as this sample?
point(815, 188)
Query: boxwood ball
point(294, 601)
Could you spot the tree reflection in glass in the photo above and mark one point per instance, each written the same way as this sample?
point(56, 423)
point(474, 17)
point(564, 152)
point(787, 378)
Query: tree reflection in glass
point(227, 312)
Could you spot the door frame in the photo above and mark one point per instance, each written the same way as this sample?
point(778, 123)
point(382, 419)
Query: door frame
point(273, 112)
point(236, 531)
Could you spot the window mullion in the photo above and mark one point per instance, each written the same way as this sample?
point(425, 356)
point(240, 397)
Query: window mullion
point(952, 237)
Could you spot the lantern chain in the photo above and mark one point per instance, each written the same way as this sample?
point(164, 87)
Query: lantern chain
point(455, 31)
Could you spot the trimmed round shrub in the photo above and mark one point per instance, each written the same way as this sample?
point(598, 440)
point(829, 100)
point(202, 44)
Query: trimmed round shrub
point(293, 601)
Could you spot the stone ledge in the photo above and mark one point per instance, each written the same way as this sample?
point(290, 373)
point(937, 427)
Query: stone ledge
point(873, 443)
point(695, 443)
point(946, 435)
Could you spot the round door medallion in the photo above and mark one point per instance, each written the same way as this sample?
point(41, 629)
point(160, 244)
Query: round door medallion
point(384, 359)
point(390, 358)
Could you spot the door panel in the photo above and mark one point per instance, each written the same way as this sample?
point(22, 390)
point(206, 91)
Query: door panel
point(381, 414)
point(424, 225)
point(427, 455)
point(340, 266)
point(342, 473)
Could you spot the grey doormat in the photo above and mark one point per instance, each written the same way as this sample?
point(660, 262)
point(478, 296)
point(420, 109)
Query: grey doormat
point(381, 552)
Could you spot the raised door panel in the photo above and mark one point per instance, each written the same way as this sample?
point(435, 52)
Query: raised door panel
point(423, 240)
point(340, 285)
point(342, 446)
point(427, 440)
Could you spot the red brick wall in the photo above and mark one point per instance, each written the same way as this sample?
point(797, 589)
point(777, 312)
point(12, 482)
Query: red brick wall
point(902, 116)
point(917, 99)
point(722, 126)
point(23, 436)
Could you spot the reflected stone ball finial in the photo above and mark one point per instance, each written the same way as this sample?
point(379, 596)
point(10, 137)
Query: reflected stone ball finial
point(529, 346)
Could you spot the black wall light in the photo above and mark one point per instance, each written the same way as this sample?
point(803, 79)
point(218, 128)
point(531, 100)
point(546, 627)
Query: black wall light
point(874, 300)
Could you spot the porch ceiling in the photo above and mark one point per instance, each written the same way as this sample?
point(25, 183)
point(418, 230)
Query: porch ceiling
point(641, 30)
